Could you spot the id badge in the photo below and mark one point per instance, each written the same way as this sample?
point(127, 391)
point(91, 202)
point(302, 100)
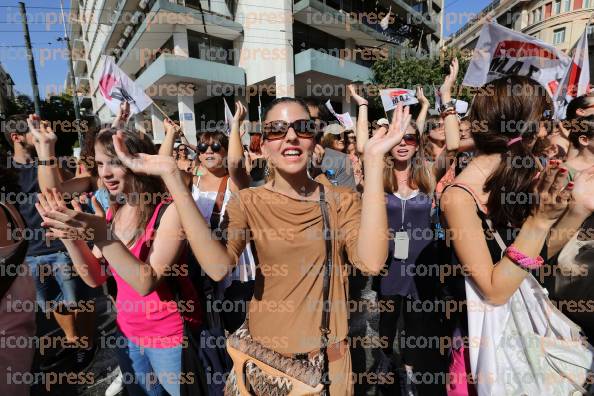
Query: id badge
point(401, 242)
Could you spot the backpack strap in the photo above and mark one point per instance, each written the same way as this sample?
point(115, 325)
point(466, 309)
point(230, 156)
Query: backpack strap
point(328, 268)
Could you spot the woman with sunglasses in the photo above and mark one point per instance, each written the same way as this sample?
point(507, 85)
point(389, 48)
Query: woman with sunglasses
point(183, 161)
point(284, 221)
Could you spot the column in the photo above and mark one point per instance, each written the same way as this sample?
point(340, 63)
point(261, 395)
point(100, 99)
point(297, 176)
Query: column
point(285, 71)
point(187, 118)
point(158, 127)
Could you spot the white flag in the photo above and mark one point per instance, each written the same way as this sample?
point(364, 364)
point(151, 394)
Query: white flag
point(385, 22)
point(391, 97)
point(577, 77)
point(116, 87)
point(228, 118)
point(503, 52)
point(344, 119)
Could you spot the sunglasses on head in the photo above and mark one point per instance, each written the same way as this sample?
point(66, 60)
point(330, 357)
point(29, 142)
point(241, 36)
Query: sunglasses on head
point(375, 125)
point(275, 130)
point(215, 147)
point(410, 139)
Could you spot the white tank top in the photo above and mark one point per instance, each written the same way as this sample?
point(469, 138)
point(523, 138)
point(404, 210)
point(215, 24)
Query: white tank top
point(205, 201)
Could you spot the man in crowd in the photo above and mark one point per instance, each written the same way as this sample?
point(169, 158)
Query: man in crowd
point(59, 288)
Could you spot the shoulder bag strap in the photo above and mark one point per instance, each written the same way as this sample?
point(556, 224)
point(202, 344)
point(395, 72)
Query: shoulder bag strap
point(325, 325)
point(215, 217)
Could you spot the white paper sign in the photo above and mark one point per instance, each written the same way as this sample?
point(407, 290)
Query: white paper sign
point(391, 97)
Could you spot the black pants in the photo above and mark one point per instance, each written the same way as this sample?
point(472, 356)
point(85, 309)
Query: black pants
point(418, 334)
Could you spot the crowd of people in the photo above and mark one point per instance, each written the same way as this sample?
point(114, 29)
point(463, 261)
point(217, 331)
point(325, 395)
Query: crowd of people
point(235, 260)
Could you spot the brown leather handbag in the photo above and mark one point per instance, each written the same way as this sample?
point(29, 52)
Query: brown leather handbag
point(260, 371)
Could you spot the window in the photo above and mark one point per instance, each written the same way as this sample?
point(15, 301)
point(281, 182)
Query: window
point(587, 3)
point(590, 30)
point(559, 36)
point(537, 15)
point(557, 7)
point(210, 48)
point(566, 5)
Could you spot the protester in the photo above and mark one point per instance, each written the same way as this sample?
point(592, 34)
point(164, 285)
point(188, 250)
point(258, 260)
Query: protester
point(292, 199)
point(335, 161)
point(582, 106)
point(17, 288)
point(182, 158)
point(334, 137)
point(582, 140)
point(140, 241)
point(58, 289)
point(496, 274)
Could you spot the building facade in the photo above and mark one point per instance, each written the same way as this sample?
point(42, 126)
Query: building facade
point(559, 22)
point(6, 90)
point(188, 54)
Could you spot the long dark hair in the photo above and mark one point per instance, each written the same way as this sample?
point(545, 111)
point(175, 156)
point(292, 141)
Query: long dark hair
point(509, 108)
point(149, 190)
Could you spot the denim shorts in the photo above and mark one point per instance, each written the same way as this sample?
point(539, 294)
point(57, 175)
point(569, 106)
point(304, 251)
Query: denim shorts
point(57, 283)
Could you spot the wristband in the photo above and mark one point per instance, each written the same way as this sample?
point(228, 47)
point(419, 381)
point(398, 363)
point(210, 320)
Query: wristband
point(448, 113)
point(364, 104)
point(522, 260)
point(448, 105)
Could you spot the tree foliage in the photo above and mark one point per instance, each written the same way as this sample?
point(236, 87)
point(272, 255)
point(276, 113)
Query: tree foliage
point(410, 72)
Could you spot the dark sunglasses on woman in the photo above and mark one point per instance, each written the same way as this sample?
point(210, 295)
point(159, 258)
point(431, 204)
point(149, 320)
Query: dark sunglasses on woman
point(215, 147)
point(275, 130)
point(410, 139)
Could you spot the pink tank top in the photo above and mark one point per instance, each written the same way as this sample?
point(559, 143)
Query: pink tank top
point(154, 320)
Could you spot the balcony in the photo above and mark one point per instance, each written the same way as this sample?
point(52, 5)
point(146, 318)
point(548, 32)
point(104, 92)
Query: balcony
point(83, 87)
point(329, 17)
point(313, 61)
point(168, 15)
point(169, 70)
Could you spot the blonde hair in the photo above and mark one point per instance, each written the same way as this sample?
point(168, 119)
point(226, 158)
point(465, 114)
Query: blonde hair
point(420, 176)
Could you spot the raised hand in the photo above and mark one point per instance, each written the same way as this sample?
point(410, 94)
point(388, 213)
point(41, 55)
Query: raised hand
point(70, 224)
point(356, 97)
point(239, 116)
point(154, 165)
point(421, 97)
point(554, 193)
point(44, 137)
point(382, 142)
point(171, 127)
point(449, 81)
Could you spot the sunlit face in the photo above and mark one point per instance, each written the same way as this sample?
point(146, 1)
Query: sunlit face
point(113, 175)
point(466, 140)
point(404, 151)
point(211, 160)
point(437, 132)
point(338, 143)
point(288, 155)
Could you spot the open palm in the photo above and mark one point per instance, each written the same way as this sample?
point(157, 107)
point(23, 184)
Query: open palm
point(153, 165)
point(382, 142)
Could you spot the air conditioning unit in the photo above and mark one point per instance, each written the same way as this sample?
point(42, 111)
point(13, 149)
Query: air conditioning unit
point(143, 4)
point(127, 31)
point(136, 18)
point(117, 51)
point(121, 43)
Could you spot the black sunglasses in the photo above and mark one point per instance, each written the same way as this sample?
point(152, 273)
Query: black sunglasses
point(275, 130)
point(410, 139)
point(215, 147)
